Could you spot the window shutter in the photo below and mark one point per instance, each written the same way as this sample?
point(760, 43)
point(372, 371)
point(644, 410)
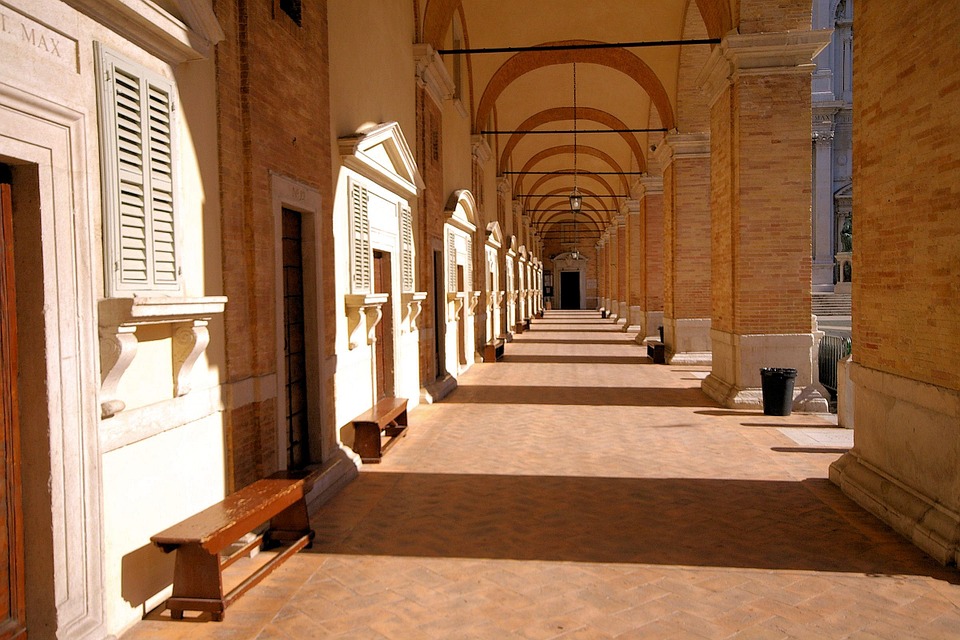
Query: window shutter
point(136, 122)
point(161, 185)
point(451, 262)
point(468, 269)
point(360, 222)
point(406, 233)
point(134, 206)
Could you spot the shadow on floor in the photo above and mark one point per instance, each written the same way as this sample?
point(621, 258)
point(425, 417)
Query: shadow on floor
point(577, 359)
point(526, 340)
point(583, 396)
point(774, 525)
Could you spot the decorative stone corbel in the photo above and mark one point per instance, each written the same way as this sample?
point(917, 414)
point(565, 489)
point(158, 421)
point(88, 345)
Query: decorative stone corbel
point(189, 341)
point(455, 302)
point(413, 305)
point(119, 319)
point(473, 297)
point(364, 312)
point(118, 348)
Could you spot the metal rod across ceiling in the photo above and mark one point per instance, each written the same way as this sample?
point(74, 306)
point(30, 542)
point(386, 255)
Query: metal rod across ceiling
point(525, 131)
point(581, 47)
point(569, 172)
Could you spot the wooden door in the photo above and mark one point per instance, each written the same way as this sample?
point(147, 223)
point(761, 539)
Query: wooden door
point(569, 289)
point(384, 331)
point(294, 343)
point(12, 601)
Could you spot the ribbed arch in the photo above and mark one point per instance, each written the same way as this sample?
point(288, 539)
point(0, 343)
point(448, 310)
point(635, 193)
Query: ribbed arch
point(585, 114)
point(569, 149)
point(620, 60)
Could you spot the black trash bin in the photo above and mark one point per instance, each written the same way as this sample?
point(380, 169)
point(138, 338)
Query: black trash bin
point(777, 386)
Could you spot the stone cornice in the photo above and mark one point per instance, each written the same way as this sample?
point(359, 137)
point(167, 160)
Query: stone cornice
point(432, 74)
point(630, 207)
point(683, 145)
point(760, 54)
point(157, 31)
point(481, 150)
point(647, 185)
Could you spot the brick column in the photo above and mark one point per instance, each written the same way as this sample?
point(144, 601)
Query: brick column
point(650, 191)
point(685, 159)
point(623, 269)
point(613, 273)
point(635, 288)
point(760, 210)
point(602, 274)
point(905, 463)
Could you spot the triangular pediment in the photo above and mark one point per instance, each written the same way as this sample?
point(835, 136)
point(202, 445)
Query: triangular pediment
point(844, 193)
point(494, 235)
point(382, 155)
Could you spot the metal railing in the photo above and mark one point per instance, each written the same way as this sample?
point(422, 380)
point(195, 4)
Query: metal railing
point(832, 350)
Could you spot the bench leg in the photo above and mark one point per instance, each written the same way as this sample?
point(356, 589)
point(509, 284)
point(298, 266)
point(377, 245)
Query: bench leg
point(197, 584)
point(290, 524)
point(366, 441)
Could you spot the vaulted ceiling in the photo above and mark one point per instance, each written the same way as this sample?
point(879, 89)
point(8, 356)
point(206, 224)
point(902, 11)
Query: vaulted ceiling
point(621, 92)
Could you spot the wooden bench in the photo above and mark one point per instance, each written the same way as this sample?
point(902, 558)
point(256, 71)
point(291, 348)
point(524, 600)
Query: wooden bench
point(656, 350)
point(379, 428)
point(493, 351)
point(200, 539)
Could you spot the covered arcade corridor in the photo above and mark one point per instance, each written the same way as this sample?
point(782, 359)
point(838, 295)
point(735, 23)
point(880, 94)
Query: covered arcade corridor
point(575, 490)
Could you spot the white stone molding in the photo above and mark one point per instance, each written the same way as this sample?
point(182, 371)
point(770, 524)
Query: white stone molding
point(157, 31)
point(366, 152)
point(432, 74)
point(364, 312)
point(119, 320)
point(760, 54)
point(503, 186)
point(413, 306)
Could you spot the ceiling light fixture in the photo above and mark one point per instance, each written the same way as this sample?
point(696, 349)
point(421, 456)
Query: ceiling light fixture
point(576, 200)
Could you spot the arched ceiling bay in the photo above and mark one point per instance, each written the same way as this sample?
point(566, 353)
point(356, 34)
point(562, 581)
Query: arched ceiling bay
point(620, 90)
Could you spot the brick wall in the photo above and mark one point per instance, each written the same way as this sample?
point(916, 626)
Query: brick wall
point(906, 271)
point(691, 271)
point(757, 16)
point(693, 107)
point(429, 155)
point(651, 212)
point(272, 81)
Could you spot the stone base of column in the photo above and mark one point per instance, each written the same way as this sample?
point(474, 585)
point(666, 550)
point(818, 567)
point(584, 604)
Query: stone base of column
point(623, 311)
point(688, 341)
point(903, 467)
point(737, 360)
point(649, 322)
point(634, 319)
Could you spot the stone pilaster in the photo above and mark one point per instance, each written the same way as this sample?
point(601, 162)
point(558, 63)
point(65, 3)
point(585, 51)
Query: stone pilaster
point(823, 243)
point(760, 211)
point(685, 159)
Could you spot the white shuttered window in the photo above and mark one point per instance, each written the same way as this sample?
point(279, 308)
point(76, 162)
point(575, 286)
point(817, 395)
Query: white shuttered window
point(360, 250)
point(137, 142)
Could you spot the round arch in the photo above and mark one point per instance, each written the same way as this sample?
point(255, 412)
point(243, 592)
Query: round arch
point(620, 60)
point(569, 149)
point(588, 114)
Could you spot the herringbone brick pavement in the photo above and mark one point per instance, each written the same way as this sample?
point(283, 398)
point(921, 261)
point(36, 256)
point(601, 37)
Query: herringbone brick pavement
point(575, 490)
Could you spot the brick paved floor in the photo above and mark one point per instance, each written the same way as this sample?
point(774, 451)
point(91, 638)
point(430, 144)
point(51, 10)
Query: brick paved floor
point(575, 490)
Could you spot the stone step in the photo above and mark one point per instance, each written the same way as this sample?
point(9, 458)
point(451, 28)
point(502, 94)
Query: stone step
point(831, 304)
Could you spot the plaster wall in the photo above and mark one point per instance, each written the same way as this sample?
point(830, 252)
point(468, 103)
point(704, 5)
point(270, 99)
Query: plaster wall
point(49, 130)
